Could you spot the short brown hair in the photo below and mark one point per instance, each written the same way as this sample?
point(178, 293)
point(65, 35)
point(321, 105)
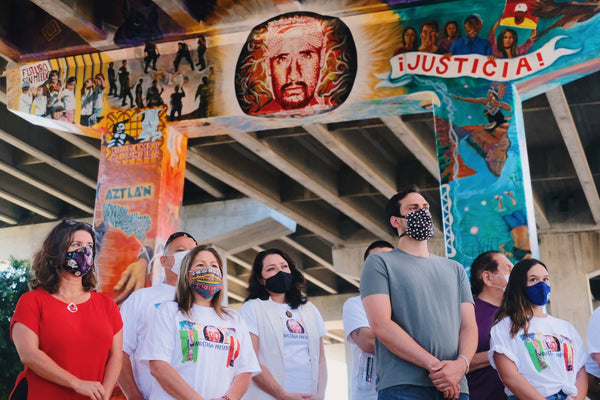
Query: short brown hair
point(392, 209)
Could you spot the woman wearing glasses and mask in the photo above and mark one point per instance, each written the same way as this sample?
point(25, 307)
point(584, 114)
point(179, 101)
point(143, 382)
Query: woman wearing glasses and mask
point(68, 336)
point(198, 349)
point(537, 356)
point(286, 330)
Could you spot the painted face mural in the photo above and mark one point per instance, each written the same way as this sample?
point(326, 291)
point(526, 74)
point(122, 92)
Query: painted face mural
point(296, 64)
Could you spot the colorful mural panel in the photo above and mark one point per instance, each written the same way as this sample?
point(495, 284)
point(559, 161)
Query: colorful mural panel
point(296, 64)
point(470, 63)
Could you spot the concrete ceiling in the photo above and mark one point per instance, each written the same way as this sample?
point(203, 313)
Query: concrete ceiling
point(333, 180)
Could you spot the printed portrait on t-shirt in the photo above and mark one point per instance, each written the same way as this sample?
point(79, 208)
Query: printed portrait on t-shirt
point(213, 334)
point(212, 340)
point(552, 343)
point(294, 326)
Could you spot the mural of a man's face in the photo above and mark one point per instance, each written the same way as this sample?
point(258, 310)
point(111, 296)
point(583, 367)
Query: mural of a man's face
point(294, 65)
point(295, 72)
point(472, 28)
point(429, 35)
point(520, 13)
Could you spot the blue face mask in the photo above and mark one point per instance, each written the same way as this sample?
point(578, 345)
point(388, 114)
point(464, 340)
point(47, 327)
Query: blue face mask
point(539, 294)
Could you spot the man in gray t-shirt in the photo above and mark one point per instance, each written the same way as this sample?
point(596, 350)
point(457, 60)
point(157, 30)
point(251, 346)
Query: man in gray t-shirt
point(420, 309)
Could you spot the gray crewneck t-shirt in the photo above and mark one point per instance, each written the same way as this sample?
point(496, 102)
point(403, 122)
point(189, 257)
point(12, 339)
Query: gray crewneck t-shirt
point(425, 294)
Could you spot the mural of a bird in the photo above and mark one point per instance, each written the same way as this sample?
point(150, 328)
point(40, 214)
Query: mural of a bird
point(570, 12)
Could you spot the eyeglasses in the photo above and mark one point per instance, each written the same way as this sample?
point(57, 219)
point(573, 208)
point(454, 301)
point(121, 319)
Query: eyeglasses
point(178, 235)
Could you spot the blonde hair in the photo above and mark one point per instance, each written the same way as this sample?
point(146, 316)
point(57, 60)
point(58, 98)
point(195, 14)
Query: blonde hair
point(184, 294)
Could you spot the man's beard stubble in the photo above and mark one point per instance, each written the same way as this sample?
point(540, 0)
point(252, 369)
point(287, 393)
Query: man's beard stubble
point(292, 104)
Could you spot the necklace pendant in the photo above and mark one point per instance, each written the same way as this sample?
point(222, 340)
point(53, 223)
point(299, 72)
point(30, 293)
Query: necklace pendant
point(288, 313)
point(72, 307)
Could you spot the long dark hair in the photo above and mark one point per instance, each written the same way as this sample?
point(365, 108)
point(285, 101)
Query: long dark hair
point(515, 303)
point(445, 30)
point(50, 259)
point(256, 290)
point(415, 45)
point(184, 294)
point(500, 43)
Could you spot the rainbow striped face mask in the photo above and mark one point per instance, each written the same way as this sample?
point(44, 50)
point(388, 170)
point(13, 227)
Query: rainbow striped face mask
point(207, 282)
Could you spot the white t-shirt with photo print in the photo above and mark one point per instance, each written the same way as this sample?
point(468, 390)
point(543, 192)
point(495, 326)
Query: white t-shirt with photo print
point(549, 356)
point(137, 312)
point(593, 339)
point(205, 350)
point(298, 369)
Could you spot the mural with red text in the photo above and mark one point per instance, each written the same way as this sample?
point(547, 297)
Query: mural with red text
point(468, 63)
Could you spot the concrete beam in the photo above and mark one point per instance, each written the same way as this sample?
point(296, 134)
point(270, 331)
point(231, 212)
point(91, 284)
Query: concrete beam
point(8, 220)
point(348, 259)
point(540, 214)
point(237, 280)
point(242, 176)
point(322, 183)
point(307, 252)
point(27, 205)
point(40, 155)
point(240, 262)
point(235, 296)
point(177, 10)
point(368, 167)
point(235, 225)
point(566, 125)
point(9, 169)
point(94, 151)
point(413, 142)
point(9, 50)
point(203, 184)
point(69, 16)
point(77, 141)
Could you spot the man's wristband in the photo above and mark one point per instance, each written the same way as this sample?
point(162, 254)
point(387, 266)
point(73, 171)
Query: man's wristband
point(225, 397)
point(466, 361)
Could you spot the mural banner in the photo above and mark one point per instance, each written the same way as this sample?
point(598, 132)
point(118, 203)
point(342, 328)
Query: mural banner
point(476, 66)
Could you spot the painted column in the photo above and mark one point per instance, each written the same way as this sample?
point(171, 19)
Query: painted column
point(485, 187)
point(140, 187)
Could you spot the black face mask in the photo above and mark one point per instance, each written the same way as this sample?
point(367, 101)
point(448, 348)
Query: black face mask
point(281, 282)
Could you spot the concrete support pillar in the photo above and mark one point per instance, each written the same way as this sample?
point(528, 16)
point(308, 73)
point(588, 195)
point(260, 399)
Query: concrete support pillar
point(487, 202)
point(140, 187)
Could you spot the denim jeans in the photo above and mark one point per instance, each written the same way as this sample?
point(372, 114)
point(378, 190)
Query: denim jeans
point(557, 396)
point(413, 392)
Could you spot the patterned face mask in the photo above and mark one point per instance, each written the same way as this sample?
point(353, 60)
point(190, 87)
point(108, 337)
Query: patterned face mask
point(207, 282)
point(79, 262)
point(419, 224)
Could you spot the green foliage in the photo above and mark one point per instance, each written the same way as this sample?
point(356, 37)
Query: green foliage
point(13, 283)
